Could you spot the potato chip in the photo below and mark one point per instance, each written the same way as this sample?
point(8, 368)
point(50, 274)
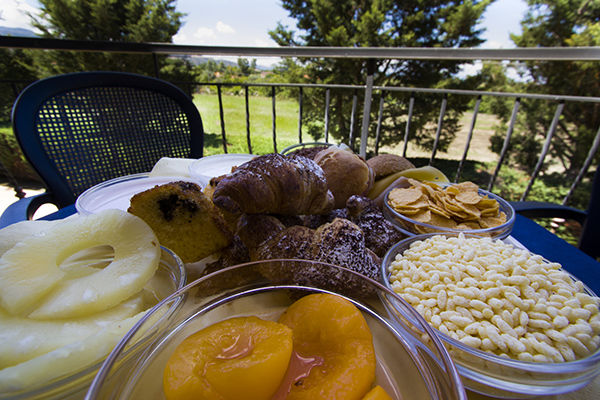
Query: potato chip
point(409, 211)
point(423, 216)
point(405, 196)
point(438, 210)
point(469, 225)
point(467, 187)
point(452, 190)
point(486, 202)
point(438, 220)
point(468, 197)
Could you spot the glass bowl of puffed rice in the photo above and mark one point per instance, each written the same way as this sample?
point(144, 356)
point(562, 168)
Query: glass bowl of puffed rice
point(515, 324)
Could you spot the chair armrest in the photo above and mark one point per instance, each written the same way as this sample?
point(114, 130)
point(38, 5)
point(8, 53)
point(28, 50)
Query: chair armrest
point(23, 209)
point(540, 209)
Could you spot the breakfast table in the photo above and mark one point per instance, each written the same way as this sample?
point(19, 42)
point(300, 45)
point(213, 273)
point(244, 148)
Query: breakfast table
point(538, 240)
point(527, 233)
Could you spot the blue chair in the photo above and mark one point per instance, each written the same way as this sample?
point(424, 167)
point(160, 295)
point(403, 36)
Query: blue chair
point(80, 129)
point(589, 241)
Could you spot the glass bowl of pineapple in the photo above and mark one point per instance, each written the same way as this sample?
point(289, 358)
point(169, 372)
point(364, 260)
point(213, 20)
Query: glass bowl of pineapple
point(58, 358)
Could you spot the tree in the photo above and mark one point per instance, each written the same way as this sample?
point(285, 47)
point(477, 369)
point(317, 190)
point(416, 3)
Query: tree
point(15, 66)
point(246, 67)
point(112, 20)
point(561, 23)
point(383, 23)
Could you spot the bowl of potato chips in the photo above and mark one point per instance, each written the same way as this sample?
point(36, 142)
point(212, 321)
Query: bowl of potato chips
point(427, 207)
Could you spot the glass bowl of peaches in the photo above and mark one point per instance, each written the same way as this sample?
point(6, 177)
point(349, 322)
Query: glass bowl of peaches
point(282, 329)
point(417, 208)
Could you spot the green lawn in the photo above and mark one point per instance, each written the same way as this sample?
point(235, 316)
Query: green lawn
point(261, 123)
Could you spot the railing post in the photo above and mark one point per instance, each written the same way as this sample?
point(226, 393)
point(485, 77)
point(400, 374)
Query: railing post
point(379, 120)
point(274, 116)
point(156, 66)
point(352, 119)
point(411, 105)
point(367, 109)
point(327, 96)
point(300, 102)
point(513, 119)
point(248, 140)
point(585, 167)
point(439, 128)
point(469, 137)
point(545, 149)
point(222, 118)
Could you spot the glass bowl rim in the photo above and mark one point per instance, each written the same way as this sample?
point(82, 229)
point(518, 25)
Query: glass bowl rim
point(554, 368)
point(304, 145)
point(504, 206)
point(61, 381)
point(448, 363)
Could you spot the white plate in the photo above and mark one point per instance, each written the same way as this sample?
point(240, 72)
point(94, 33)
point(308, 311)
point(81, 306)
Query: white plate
point(217, 165)
point(116, 193)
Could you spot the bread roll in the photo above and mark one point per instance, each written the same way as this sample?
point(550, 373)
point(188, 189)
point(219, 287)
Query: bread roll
point(347, 174)
point(387, 164)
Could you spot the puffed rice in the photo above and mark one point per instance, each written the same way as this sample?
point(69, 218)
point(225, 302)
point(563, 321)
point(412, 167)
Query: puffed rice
point(495, 297)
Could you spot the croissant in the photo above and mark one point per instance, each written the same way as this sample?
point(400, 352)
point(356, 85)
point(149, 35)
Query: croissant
point(275, 184)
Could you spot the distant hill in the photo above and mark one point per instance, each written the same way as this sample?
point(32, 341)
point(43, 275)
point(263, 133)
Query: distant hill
point(6, 31)
point(197, 60)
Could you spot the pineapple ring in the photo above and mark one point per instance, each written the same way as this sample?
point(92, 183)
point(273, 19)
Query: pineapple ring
point(13, 234)
point(31, 280)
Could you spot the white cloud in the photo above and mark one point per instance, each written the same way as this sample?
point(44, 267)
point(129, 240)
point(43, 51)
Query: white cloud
point(13, 14)
point(224, 28)
point(495, 44)
point(263, 43)
point(203, 33)
point(180, 38)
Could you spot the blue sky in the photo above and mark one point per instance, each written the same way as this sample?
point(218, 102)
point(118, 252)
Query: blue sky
point(246, 22)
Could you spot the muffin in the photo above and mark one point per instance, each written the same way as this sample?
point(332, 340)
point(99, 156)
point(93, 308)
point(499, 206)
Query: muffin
point(184, 219)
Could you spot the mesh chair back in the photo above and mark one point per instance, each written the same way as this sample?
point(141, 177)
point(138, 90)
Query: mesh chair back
point(81, 129)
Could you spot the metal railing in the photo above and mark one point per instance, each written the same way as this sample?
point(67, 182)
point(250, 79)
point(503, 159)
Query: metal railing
point(470, 54)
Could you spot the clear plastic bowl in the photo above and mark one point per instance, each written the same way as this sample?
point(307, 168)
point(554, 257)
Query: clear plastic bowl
point(209, 167)
point(500, 377)
point(170, 277)
point(117, 193)
point(411, 227)
point(408, 365)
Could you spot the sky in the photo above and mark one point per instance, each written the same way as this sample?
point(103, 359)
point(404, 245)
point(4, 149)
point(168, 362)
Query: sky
point(247, 22)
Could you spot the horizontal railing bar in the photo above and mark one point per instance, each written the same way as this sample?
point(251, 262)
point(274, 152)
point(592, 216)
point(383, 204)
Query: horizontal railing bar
point(303, 85)
point(529, 53)
point(552, 97)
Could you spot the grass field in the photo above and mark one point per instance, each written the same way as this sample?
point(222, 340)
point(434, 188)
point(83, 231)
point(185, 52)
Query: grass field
point(261, 123)
point(261, 129)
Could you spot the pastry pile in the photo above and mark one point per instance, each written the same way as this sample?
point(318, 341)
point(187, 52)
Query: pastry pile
point(310, 206)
